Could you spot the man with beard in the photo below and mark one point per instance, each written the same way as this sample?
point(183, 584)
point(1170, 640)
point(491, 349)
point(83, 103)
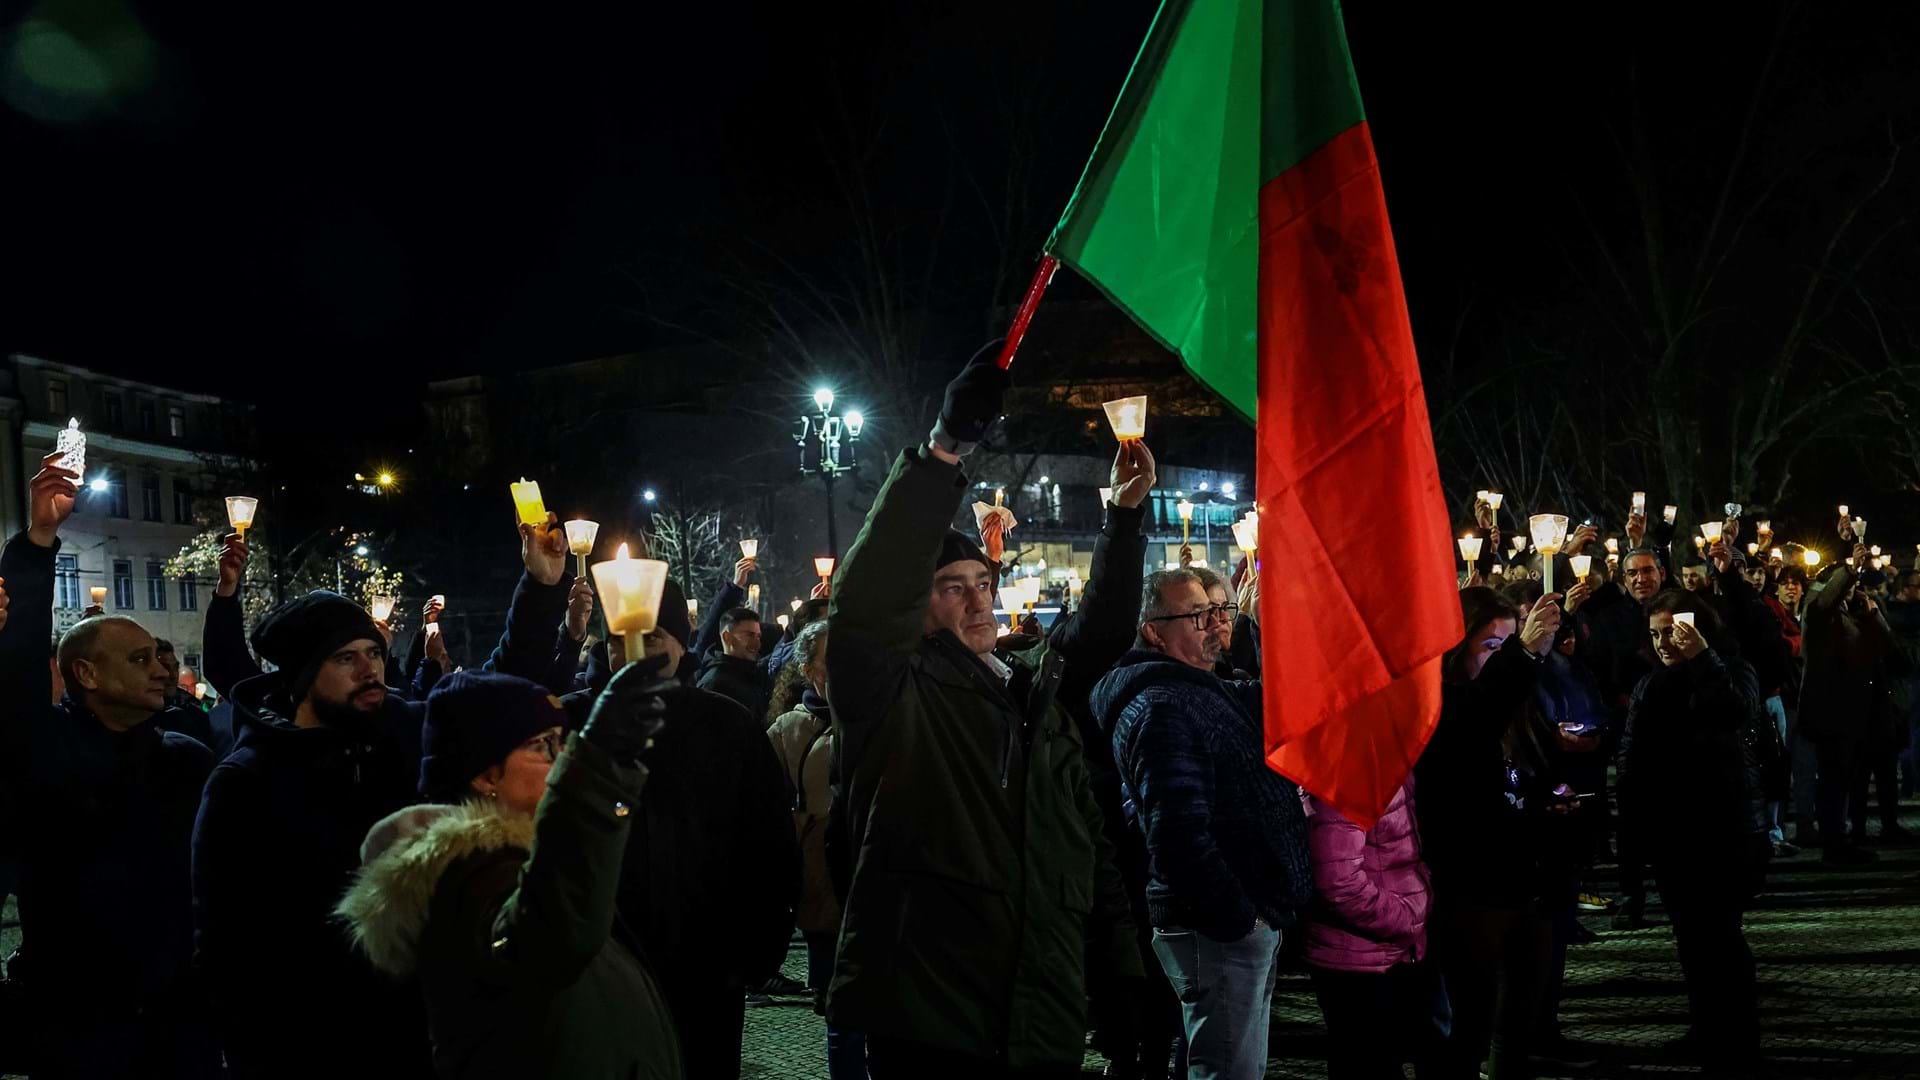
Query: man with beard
point(322, 751)
point(100, 795)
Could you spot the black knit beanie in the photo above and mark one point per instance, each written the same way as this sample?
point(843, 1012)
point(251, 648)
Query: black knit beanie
point(959, 547)
point(299, 635)
point(474, 720)
point(673, 616)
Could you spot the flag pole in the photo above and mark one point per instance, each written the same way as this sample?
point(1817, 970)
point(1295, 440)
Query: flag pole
point(1042, 277)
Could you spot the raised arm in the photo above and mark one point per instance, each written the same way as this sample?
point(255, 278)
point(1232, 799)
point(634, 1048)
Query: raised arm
point(539, 603)
point(226, 662)
point(1093, 638)
point(731, 594)
point(26, 568)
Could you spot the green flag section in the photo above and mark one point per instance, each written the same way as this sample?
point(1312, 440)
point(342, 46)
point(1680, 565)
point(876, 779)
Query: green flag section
point(1233, 208)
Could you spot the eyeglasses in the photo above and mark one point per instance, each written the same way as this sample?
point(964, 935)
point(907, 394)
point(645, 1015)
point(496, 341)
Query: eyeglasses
point(547, 744)
point(1204, 616)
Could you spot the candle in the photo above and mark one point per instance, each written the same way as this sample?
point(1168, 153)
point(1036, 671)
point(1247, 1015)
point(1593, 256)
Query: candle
point(71, 443)
point(999, 496)
point(526, 500)
point(1582, 565)
point(1470, 550)
point(750, 549)
point(1106, 496)
point(1669, 513)
point(1776, 554)
point(1699, 543)
point(1859, 529)
point(1127, 417)
point(99, 594)
point(1494, 499)
point(581, 534)
point(1874, 550)
point(1685, 617)
point(753, 597)
point(1843, 510)
point(1710, 531)
point(795, 605)
point(1640, 502)
point(1765, 526)
point(1186, 519)
point(782, 620)
point(693, 610)
point(1752, 550)
point(1246, 532)
point(823, 566)
point(381, 607)
point(630, 592)
point(240, 511)
point(1549, 533)
point(1613, 545)
point(1519, 543)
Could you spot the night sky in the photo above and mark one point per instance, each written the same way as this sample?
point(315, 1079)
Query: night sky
point(259, 198)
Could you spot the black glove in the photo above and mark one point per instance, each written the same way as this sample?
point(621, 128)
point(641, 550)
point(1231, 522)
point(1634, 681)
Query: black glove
point(632, 710)
point(973, 397)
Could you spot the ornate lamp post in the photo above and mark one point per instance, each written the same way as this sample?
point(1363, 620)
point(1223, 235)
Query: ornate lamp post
point(827, 440)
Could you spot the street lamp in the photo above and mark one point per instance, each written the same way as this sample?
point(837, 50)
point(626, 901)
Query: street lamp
point(822, 436)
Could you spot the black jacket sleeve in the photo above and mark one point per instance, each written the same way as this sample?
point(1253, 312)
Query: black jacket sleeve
point(765, 859)
point(26, 682)
point(534, 621)
point(729, 597)
point(1100, 632)
point(226, 662)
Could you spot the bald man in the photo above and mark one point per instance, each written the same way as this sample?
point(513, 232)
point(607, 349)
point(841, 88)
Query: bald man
point(103, 799)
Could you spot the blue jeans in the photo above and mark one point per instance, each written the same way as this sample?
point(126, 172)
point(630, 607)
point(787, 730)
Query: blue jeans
point(1775, 808)
point(1226, 998)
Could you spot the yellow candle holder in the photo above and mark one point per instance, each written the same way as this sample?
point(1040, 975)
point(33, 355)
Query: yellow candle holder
point(527, 502)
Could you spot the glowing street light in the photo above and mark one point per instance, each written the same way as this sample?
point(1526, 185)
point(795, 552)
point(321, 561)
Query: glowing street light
point(823, 397)
point(1228, 490)
point(650, 495)
point(98, 485)
point(855, 423)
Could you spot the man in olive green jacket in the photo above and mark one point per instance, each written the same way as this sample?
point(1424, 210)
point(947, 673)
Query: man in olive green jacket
point(983, 880)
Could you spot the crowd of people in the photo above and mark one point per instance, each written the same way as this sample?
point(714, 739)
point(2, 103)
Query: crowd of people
point(588, 855)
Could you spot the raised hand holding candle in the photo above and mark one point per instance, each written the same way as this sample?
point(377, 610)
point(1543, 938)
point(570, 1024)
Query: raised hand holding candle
point(528, 503)
point(630, 592)
point(1582, 565)
point(1683, 617)
point(240, 511)
point(750, 549)
point(1549, 534)
point(1711, 530)
point(823, 566)
point(1470, 550)
point(1669, 513)
point(1494, 499)
point(1640, 502)
point(381, 608)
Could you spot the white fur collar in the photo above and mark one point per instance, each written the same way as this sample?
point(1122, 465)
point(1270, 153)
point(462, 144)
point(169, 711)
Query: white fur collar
point(404, 856)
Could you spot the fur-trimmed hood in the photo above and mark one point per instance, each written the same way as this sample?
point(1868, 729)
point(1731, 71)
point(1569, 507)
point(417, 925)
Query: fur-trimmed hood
point(402, 861)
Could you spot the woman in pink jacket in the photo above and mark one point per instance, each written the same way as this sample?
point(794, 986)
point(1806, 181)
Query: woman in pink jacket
point(1367, 943)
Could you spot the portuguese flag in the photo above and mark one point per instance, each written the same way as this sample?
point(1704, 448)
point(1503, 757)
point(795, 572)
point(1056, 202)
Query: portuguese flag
point(1233, 207)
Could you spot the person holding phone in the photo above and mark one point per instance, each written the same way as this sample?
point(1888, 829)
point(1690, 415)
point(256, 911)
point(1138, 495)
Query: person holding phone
point(1687, 802)
point(1488, 826)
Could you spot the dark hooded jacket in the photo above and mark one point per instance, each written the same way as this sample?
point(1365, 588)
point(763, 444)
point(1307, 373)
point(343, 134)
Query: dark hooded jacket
point(507, 922)
point(276, 845)
point(1686, 779)
point(737, 679)
point(983, 876)
point(101, 821)
point(1226, 836)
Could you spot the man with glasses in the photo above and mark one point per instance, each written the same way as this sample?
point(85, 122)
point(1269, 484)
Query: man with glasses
point(1226, 838)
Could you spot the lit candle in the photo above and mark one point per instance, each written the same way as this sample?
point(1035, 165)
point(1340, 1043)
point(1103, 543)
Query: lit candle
point(99, 594)
point(1582, 565)
point(750, 549)
point(1494, 499)
point(753, 597)
point(1710, 531)
point(1765, 527)
point(693, 610)
point(1549, 533)
point(1859, 529)
point(795, 605)
point(999, 496)
point(1613, 545)
point(1127, 417)
point(581, 534)
point(1669, 513)
point(782, 620)
point(240, 511)
point(630, 591)
point(1106, 496)
point(1470, 550)
point(1776, 554)
point(1186, 519)
point(1843, 510)
point(71, 444)
point(824, 567)
point(1874, 550)
point(1699, 543)
point(526, 500)
point(1640, 502)
point(1752, 550)
point(381, 607)
point(1683, 617)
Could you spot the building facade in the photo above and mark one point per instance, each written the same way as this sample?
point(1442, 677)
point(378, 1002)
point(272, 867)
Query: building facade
point(158, 463)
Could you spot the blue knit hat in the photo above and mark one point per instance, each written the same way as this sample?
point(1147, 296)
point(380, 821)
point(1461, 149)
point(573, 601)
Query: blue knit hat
point(474, 720)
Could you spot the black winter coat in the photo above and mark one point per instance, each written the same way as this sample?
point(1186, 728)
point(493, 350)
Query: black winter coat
point(1685, 785)
point(276, 845)
point(101, 821)
point(737, 679)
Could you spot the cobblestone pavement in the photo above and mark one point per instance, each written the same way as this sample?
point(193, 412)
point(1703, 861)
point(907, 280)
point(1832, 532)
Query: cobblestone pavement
point(1839, 954)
